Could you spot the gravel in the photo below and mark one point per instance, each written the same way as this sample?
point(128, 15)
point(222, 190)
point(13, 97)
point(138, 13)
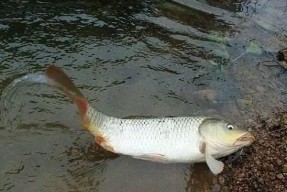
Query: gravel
point(262, 166)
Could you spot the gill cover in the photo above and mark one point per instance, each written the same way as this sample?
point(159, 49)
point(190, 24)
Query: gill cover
point(221, 138)
point(212, 131)
point(219, 132)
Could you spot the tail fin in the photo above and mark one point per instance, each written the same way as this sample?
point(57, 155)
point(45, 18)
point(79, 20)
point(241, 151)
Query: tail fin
point(57, 78)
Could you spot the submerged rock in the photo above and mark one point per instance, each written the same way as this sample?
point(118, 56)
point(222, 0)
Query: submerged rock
point(282, 58)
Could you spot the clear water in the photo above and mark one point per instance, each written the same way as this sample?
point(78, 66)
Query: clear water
point(145, 58)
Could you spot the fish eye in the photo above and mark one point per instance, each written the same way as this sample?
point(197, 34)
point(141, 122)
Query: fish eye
point(230, 127)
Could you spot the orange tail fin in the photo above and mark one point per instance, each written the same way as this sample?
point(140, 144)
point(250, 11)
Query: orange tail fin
point(59, 79)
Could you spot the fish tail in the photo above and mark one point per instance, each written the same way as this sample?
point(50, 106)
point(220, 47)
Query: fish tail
point(91, 119)
point(58, 79)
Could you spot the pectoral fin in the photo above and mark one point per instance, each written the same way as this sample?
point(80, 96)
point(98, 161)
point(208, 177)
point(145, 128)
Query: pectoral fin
point(214, 165)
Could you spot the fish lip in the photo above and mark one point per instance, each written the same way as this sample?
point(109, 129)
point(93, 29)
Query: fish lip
point(247, 139)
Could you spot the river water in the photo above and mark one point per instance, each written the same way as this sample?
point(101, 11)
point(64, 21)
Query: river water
point(130, 58)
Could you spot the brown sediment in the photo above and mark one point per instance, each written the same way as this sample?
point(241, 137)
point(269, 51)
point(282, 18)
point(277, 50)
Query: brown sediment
point(264, 165)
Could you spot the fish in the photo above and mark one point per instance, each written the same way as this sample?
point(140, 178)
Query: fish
point(162, 139)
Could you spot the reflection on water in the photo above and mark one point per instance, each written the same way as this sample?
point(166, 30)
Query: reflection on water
point(139, 58)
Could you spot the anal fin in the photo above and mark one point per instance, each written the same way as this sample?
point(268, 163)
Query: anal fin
point(102, 141)
point(152, 157)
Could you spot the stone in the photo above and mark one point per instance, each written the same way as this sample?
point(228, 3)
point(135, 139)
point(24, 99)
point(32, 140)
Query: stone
point(221, 180)
point(280, 176)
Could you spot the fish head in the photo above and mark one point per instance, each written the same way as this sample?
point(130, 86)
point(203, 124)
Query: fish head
point(224, 137)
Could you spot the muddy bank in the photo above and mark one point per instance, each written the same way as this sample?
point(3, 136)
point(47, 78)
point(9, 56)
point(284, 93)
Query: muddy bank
point(263, 166)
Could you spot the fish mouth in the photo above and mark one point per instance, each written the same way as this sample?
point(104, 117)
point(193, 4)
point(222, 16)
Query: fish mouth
point(245, 139)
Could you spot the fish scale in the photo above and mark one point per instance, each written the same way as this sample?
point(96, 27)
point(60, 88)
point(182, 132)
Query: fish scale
point(167, 137)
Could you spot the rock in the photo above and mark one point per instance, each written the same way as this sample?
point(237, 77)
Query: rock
point(280, 176)
point(208, 94)
point(284, 168)
point(282, 54)
point(216, 188)
point(245, 102)
point(241, 175)
point(221, 180)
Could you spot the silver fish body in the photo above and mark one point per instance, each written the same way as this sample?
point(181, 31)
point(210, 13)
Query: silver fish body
point(171, 139)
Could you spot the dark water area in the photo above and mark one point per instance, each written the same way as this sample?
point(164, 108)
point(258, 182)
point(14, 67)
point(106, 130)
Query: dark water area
point(130, 58)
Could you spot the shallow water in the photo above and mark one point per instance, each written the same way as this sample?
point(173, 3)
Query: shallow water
point(145, 58)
